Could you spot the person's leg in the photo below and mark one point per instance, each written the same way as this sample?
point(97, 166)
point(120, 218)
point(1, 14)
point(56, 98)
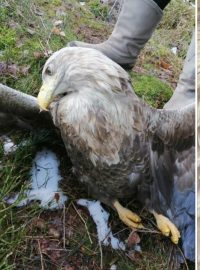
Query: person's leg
point(162, 3)
point(134, 27)
point(184, 93)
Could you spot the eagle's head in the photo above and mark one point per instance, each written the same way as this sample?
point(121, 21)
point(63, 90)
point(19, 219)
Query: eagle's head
point(81, 71)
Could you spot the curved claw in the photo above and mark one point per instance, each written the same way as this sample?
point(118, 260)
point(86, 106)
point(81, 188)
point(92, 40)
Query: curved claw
point(167, 228)
point(131, 219)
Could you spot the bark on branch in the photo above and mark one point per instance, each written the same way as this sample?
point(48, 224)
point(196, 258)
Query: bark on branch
point(21, 110)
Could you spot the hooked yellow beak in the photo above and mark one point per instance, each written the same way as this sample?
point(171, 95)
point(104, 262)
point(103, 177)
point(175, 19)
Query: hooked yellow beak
point(45, 97)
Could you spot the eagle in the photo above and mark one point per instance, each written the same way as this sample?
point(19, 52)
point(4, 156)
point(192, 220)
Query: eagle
point(120, 147)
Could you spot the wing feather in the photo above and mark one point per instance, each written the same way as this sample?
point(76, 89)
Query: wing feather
point(175, 128)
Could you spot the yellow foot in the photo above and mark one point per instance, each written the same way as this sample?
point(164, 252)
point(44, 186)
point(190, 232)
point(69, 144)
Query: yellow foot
point(167, 227)
point(128, 217)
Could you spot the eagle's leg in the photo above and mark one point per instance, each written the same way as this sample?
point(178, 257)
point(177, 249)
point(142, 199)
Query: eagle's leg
point(167, 227)
point(131, 219)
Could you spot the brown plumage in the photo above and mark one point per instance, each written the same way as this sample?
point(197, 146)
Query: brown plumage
point(119, 146)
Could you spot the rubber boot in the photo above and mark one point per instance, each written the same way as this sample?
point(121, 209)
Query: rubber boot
point(134, 27)
point(184, 93)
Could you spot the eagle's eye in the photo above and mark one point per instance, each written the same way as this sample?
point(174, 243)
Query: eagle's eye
point(48, 71)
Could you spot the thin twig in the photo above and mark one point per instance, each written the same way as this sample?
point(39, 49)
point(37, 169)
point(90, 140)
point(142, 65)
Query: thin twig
point(41, 256)
point(49, 36)
point(146, 230)
point(84, 223)
point(59, 249)
point(44, 49)
point(110, 12)
point(93, 252)
point(64, 231)
point(101, 253)
point(36, 237)
point(186, 265)
point(43, 24)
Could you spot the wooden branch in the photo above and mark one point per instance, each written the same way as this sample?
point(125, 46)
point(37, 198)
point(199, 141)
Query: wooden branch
point(13, 101)
point(21, 109)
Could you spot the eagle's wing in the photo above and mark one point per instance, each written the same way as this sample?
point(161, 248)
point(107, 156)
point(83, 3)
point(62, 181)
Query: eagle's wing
point(173, 133)
point(175, 128)
point(173, 163)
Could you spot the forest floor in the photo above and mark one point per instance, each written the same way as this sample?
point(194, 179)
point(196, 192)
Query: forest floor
point(34, 238)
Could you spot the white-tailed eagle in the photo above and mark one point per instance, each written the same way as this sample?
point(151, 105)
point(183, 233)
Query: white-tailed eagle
point(119, 146)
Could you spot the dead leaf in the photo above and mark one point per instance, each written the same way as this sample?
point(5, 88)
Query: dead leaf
point(44, 245)
point(24, 70)
point(55, 30)
point(30, 31)
point(19, 43)
point(61, 12)
point(38, 12)
point(13, 25)
point(57, 221)
point(38, 55)
point(68, 267)
point(13, 69)
point(134, 255)
point(57, 197)
point(38, 223)
point(55, 255)
point(164, 64)
point(62, 34)
point(48, 53)
point(59, 22)
point(138, 69)
point(50, 248)
point(54, 233)
point(133, 239)
point(2, 67)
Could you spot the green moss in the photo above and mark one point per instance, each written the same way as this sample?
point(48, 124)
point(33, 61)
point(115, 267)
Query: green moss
point(3, 14)
point(151, 89)
point(94, 24)
point(56, 2)
point(100, 11)
point(7, 37)
point(32, 44)
point(9, 55)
